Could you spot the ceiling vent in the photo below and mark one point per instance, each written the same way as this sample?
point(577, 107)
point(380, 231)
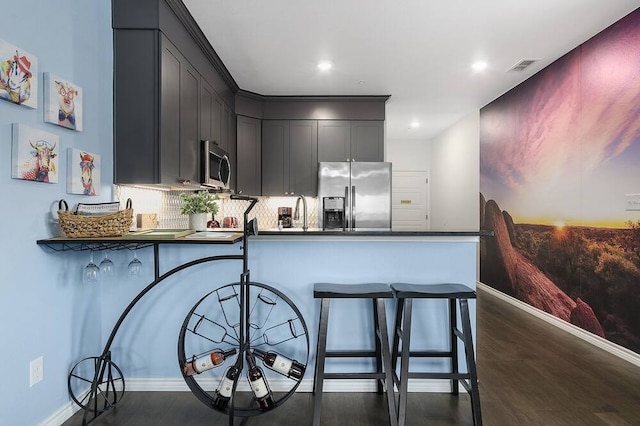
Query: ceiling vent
point(522, 65)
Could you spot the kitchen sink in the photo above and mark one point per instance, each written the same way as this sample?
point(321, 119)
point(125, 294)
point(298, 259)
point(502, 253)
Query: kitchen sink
point(291, 230)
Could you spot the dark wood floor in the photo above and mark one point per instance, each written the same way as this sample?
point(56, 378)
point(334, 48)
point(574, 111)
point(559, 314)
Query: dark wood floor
point(531, 373)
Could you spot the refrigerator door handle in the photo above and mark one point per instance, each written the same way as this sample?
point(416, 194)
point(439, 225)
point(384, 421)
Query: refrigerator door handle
point(353, 208)
point(347, 213)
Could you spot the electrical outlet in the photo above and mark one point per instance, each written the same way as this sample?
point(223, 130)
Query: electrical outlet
point(633, 202)
point(36, 371)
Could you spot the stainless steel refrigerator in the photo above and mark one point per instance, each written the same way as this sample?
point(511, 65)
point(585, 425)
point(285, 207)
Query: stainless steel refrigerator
point(366, 188)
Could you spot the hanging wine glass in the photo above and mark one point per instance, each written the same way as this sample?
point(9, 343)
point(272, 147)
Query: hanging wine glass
point(106, 266)
point(135, 266)
point(91, 272)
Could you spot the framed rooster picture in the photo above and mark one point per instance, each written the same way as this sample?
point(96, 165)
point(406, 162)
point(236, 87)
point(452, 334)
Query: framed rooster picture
point(83, 172)
point(18, 75)
point(62, 102)
point(34, 154)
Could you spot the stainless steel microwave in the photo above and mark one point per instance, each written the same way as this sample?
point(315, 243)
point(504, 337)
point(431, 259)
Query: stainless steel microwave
point(216, 169)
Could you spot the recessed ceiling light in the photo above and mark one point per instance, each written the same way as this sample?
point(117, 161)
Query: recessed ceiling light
point(414, 125)
point(361, 82)
point(479, 66)
point(324, 65)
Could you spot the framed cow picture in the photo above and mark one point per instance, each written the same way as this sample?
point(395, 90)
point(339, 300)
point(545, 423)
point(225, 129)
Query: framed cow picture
point(34, 154)
point(18, 75)
point(83, 172)
point(62, 102)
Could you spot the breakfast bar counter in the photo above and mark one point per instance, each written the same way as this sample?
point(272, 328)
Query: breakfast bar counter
point(289, 261)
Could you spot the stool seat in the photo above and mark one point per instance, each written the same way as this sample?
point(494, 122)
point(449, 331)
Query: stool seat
point(381, 353)
point(352, 291)
point(433, 291)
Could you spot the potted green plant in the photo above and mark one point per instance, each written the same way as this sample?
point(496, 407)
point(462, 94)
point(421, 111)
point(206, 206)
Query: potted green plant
point(198, 205)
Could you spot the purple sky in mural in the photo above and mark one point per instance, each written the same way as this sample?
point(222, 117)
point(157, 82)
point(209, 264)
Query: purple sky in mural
point(564, 146)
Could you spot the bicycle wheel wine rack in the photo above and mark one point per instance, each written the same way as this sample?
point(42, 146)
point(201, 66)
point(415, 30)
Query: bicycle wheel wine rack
point(272, 323)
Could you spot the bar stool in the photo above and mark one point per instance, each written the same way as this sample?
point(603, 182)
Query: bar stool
point(405, 293)
point(383, 374)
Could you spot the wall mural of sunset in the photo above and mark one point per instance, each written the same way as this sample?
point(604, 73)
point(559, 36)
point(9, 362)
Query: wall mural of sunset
point(558, 154)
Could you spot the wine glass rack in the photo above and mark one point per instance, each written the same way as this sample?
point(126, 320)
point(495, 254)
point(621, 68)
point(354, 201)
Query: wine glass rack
point(237, 318)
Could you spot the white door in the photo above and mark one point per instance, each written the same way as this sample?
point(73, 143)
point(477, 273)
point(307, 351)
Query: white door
point(410, 200)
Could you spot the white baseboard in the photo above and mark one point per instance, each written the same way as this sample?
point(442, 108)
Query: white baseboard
point(283, 385)
point(64, 413)
point(598, 341)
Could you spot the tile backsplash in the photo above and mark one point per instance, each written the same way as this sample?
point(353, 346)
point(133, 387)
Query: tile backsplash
point(166, 204)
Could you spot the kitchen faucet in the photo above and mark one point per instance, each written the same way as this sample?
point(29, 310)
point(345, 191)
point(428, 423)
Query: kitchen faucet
point(296, 213)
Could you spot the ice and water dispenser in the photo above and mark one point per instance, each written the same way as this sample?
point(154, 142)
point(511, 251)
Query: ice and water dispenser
point(333, 214)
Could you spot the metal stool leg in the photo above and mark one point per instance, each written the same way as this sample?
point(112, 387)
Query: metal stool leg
point(397, 331)
point(383, 341)
point(404, 362)
point(453, 321)
point(471, 362)
point(376, 339)
point(320, 358)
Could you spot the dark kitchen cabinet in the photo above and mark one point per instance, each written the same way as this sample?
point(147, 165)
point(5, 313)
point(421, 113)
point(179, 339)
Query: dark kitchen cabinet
point(248, 164)
point(344, 140)
point(156, 111)
point(289, 157)
point(367, 141)
point(229, 139)
point(211, 114)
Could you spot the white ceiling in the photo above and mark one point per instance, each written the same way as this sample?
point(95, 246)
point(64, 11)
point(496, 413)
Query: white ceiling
point(418, 51)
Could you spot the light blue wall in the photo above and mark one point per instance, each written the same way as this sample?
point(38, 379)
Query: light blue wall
point(44, 310)
point(146, 345)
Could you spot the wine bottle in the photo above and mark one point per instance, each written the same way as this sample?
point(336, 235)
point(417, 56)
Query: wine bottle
point(206, 362)
point(226, 387)
point(259, 385)
point(281, 364)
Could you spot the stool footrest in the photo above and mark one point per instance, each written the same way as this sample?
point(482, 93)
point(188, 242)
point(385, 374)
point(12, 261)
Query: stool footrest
point(350, 354)
point(354, 375)
point(454, 376)
point(430, 354)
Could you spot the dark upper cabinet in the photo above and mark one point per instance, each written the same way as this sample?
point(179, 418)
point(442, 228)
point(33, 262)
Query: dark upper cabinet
point(289, 157)
point(367, 141)
point(303, 157)
point(211, 114)
point(156, 119)
point(344, 140)
point(189, 141)
point(249, 140)
point(231, 128)
point(275, 157)
point(334, 140)
point(168, 96)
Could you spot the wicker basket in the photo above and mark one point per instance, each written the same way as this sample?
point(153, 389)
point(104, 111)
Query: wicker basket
point(104, 225)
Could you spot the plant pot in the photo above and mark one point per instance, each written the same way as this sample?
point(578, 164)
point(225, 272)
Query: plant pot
point(198, 221)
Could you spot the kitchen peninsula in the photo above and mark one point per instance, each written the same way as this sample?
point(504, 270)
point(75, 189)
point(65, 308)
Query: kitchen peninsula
point(289, 261)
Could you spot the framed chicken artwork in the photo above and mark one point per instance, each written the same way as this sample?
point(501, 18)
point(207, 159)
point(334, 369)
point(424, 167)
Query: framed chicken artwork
point(62, 102)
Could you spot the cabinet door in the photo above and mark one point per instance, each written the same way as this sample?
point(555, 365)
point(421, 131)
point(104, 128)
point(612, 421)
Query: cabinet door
point(249, 156)
point(189, 128)
point(275, 157)
point(367, 141)
point(211, 113)
point(232, 146)
point(169, 112)
point(334, 140)
point(303, 157)
point(136, 151)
